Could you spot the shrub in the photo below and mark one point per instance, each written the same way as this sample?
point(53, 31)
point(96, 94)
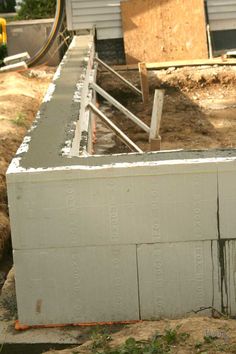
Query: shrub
point(7, 5)
point(35, 9)
point(3, 53)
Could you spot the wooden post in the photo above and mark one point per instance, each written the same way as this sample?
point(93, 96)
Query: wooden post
point(154, 137)
point(144, 81)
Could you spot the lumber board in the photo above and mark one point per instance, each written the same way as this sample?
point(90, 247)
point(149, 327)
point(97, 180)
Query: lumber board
point(164, 30)
point(177, 64)
point(144, 81)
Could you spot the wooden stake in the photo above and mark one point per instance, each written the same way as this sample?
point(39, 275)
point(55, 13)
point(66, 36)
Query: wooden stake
point(108, 68)
point(123, 137)
point(154, 137)
point(119, 106)
point(144, 81)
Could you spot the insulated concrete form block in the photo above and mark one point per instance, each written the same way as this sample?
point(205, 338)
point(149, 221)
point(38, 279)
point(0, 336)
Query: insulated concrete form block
point(125, 205)
point(76, 285)
point(177, 278)
point(229, 276)
point(227, 199)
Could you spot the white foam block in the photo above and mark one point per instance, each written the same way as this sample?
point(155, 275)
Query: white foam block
point(227, 199)
point(230, 277)
point(177, 278)
point(13, 59)
point(75, 285)
point(114, 206)
point(14, 67)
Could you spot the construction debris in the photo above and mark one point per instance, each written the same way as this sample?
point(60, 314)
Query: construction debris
point(14, 59)
point(14, 67)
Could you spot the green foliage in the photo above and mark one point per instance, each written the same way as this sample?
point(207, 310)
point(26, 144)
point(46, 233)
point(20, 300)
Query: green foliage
point(210, 338)
point(171, 336)
point(7, 6)
point(35, 9)
point(159, 344)
point(100, 340)
point(3, 53)
point(20, 120)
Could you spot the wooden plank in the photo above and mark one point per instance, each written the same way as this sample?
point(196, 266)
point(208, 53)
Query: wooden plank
point(128, 83)
point(124, 138)
point(156, 114)
point(177, 64)
point(164, 30)
point(144, 81)
point(119, 106)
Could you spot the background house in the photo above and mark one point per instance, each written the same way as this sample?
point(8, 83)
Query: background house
point(106, 16)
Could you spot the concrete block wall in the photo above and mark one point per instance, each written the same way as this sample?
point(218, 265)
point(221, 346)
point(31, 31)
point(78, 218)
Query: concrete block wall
point(121, 237)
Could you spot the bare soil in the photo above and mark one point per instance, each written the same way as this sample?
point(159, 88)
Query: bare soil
point(199, 334)
point(199, 108)
point(20, 97)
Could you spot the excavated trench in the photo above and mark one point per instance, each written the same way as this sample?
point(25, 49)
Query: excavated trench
point(199, 110)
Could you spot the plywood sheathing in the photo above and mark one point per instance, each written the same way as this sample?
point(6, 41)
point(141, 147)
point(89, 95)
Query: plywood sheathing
point(164, 30)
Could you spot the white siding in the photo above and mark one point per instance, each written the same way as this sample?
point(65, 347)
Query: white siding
point(104, 14)
point(222, 14)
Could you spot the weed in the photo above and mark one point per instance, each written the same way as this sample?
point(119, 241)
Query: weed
point(100, 340)
point(198, 345)
point(170, 336)
point(20, 120)
point(209, 339)
point(159, 344)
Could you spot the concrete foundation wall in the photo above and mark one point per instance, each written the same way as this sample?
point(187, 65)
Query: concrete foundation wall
point(108, 208)
point(121, 237)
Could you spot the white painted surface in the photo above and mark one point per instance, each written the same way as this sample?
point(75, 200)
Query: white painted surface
point(104, 14)
point(125, 205)
point(74, 285)
point(177, 278)
point(222, 14)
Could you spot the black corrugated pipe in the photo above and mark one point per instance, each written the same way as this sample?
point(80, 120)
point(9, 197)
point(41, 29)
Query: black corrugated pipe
point(59, 17)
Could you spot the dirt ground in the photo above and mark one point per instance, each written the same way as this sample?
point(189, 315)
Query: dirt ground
point(199, 108)
point(20, 97)
point(185, 336)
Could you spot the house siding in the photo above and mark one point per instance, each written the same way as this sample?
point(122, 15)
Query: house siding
point(106, 16)
point(222, 14)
